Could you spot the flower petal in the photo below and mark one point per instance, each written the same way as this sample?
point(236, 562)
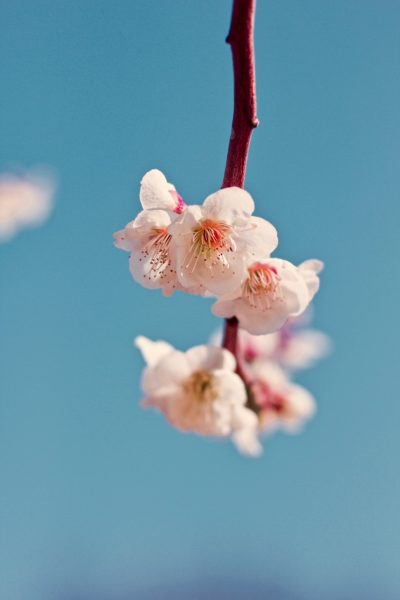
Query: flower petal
point(208, 358)
point(245, 435)
point(228, 204)
point(170, 370)
point(309, 269)
point(155, 192)
point(261, 236)
point(152, 352)
point(121, 240)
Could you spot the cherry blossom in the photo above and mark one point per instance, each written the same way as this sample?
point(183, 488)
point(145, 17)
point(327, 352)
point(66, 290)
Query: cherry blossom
point(278, 402)
point(216, 242)
point(199, 392)
point(220, 249)
point(25, 201)
point(273, 291)
point(152, 259)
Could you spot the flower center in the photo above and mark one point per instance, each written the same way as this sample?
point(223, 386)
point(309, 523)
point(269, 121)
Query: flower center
point(200, 387)
point(261, 287)
point(211, 240)
point(157, 251)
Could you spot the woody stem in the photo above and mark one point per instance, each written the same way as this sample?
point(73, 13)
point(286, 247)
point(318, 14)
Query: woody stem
point(241, 41)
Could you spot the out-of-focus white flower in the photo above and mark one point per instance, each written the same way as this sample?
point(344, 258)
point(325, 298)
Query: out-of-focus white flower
point(216, 242)
point(157, 193)
point(292, 347)
point(280, 403)
point(25, 201)
point(199, 392)
point(273, 291)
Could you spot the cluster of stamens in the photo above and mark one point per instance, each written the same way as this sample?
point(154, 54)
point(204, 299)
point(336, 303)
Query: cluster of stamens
point(157, 251)
point(211, 240)
point(261, 287)
point(200, 387)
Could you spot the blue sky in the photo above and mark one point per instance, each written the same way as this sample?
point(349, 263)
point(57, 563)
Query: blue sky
point(98, 494)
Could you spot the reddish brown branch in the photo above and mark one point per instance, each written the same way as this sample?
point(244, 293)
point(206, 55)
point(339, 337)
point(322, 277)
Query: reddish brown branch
point(230, 343)
point(240, 38)
point(230, 334)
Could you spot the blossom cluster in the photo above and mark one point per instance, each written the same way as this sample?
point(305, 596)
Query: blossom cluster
point(200, 390)
point(220, 250)
point(25, 201)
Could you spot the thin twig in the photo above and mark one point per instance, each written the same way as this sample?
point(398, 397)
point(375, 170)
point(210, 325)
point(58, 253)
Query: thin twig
point(245, 119)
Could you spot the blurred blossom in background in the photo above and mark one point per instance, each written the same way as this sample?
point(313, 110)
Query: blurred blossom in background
point(101, 500)
point(26, 200)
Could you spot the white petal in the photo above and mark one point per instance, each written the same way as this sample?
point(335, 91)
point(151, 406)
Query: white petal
point(155, 191)
point(251, 318)
point(296, 295)
point(247, 442)
point(228, 204)
point(152, 352)
point(170, 370)
point(219, 278)
point(245, 436)
point(252, 347)
point(208, 358)
point(309, 269)
point(141, 269)
point(271, 372)
point(131, 236)
point(302, 408)
point(312, 264)
point(260, 236)
point(231, 389)
point(304, 348)
point(121, 240)
point(181, 228)
point(224, 308)
point(152, 218)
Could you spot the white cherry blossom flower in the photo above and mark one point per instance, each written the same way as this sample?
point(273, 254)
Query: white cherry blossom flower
point(273, 291)
point(157, 193)
point(152, 260)
point(215, 242)
point(25, 201)
point(280, 403)
point(198, 391)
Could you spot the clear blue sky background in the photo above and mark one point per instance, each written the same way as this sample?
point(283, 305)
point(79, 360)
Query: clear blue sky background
point(97, 494)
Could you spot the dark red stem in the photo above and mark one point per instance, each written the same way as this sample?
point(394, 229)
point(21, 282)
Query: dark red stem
point(241, 40)
point(230, 343)
point(230, 335)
